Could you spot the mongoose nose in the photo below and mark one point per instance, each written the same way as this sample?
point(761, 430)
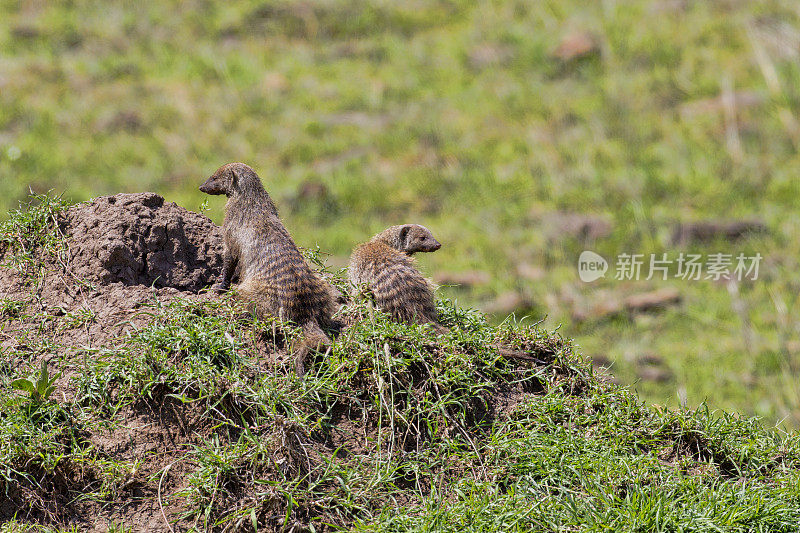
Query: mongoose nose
point(436, 245)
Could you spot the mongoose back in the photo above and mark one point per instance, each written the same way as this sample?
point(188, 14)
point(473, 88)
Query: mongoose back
point(273, 275)
point(384, 264)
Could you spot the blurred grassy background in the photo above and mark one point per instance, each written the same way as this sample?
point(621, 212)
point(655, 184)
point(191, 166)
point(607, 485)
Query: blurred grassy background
point(520, 132)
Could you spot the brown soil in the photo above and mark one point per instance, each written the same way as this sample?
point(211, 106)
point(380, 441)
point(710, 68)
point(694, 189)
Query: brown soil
point(138, 239)
point(124, 251)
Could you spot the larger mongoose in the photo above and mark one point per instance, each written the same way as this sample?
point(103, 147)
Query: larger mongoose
point(273, 275)
point(385, 266)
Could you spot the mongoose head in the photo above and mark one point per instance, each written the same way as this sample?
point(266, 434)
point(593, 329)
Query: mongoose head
point(232, 179)
point(409, 238)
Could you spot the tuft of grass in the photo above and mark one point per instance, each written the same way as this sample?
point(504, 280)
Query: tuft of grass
point(39, 391)
point(30, 233)
point(11, 308)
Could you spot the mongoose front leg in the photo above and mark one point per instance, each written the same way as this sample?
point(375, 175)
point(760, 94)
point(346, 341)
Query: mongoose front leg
point(228, 268)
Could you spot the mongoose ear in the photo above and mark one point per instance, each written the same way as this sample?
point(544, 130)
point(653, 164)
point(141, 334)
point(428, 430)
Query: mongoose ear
point(234, 179)
point(404, 233)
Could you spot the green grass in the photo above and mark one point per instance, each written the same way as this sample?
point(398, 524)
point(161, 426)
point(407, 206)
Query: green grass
point(580, 454)
point(30, 232)
point(457, 115)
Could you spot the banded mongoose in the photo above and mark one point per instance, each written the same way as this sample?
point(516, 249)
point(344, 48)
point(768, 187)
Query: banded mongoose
point(385, 266)
point(273, 275)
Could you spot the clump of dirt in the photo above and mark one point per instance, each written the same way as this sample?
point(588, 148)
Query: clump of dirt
point(139, 239)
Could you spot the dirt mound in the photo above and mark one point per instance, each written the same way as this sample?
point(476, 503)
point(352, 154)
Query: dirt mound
point(137, 252)
point(133, 249)
point(139, 239)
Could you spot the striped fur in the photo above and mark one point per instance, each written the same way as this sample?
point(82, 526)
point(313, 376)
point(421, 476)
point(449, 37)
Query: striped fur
point(274, 276)
point(385, 266)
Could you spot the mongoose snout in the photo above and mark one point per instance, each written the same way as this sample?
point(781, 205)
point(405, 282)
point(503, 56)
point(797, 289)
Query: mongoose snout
point(226, 179)
point(408, 239)
point(215, 184)
point(421, 240)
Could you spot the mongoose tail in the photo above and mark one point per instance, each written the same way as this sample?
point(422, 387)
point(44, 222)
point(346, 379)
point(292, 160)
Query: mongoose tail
point(313, 339)
point(264, 297)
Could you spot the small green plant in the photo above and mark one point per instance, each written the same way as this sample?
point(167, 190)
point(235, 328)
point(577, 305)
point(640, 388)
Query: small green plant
point(119, 527)
point(11, 308)
point(78, 318)
point(30, 233)
point(40, 390)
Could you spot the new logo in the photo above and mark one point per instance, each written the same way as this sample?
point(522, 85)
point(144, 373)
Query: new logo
point(591, 266)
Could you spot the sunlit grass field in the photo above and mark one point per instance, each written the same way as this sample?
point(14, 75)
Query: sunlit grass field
point(492, 123)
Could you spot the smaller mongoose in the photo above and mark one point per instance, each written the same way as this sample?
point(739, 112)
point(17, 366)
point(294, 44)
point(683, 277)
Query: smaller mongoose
point(385, 267)
point(273, 275)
